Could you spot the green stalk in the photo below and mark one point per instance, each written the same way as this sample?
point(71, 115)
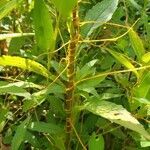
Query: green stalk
point(74, 36)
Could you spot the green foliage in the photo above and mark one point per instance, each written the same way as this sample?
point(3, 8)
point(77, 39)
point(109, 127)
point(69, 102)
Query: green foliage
point(100, 14)
point(43, 26)
point(98, 50)
point(64, 6)
point(96, 142)
point(25, 64)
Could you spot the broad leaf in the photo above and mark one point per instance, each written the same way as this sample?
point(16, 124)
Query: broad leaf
point(43, 26)
point(100, 14)
point(115, 113)
point(96, 142)
point(25, 64)
point(45, 127)
point(7, 6)
point(65, 6)
point(19, 135)
point(123, 60)
point(137, 44)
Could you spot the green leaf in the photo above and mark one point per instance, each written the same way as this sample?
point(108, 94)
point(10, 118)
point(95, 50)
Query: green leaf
point(25, 64)
point(96, 142)
point(115, 113)
point(123, 60)
point(100, 14)
point(90, 82)
point(137, 44)
point(135, 4)
point(144, 142)
point(45, 127)
point(43, 26)
point(7, 6)
point(31, 138)
point(3, 117)
point(146, 58)
point(19, 135)
point(12, 89)
point(65, 6)
point(143, 88)
point(39, 97)
point(86, 70)
point(24, 84)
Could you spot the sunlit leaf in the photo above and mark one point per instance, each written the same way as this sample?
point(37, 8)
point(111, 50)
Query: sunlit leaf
point(90, 82)
point(146, 57)
point(100, 14)
point(43, 26)
point(7, 6)
point(25, 64)
point(115, 113)
point(65, 6)
point(137, 44)
point(14, 35)
point(123, 60)
point(96, 142)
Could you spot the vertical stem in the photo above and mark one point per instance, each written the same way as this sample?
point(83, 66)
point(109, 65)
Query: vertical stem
point(74, 35)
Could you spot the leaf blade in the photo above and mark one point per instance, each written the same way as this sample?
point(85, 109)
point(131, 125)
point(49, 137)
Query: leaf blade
point(25, 64)
point(115, 113)
point(101, 13)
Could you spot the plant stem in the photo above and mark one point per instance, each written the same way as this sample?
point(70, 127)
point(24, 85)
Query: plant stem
point(74, 36)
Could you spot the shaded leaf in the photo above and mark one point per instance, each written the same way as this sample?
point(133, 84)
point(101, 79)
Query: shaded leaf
point(101, 13)
point(25, 64)
point(86, 70)
point(115, 113)
point(19, 135)
point(3, 117)
point(43, 26)
point(39, 97)
point(45, 127)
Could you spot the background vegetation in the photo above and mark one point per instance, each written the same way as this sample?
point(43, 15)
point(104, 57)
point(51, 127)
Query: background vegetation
point(75, 74)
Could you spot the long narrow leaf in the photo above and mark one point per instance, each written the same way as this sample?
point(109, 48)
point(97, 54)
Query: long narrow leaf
point(7, 6)
point(137, 44)
point(25, 64)
point(43, 26)
point(123, 60)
